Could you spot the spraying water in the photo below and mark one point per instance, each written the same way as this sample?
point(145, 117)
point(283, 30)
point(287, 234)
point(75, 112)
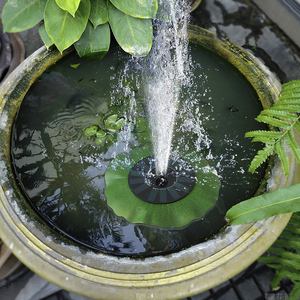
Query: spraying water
point(168, 67)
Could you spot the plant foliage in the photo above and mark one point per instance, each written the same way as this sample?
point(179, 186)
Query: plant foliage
point(283, 115)
point(86, 23)
point(284, 256)
point(279, 202)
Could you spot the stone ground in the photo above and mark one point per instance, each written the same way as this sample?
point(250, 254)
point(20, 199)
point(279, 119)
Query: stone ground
point(247, 26)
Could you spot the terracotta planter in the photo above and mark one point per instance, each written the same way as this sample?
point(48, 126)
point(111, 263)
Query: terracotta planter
point(101, 276)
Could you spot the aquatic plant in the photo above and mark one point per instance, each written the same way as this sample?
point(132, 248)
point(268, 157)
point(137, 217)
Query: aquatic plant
point(85, 23)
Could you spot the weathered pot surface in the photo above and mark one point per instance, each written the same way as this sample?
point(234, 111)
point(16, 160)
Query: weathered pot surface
point(101, 276)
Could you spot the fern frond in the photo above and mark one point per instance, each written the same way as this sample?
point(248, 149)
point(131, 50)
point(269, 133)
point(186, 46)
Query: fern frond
point(297, 126)
point(264, 140)
point(283, 115)
point(280, 114)
point(285, 256)
point(295, 293)
point(293, 145)
point(261, 157)
point(280, 151)
point(287, 107)
point(290, 86)
point(264, 133)
point(274, 122)
point(289, 96)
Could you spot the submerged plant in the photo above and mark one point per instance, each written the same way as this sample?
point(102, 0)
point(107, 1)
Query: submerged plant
point(85, 23)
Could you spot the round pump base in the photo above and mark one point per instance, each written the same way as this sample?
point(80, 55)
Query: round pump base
point(178, 181)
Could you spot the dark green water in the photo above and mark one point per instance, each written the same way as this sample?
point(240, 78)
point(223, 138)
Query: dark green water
point(62, 172)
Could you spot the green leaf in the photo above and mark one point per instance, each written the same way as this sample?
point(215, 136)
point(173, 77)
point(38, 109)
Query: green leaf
point(264, 133)
point(263, 139)
point(284, 98)
point(94, 42)
point(290, 86)
point(61, 27)
point(70, 6)
point(264, 206)
point(295, 293)
point(279, 114)
point(261, 157)
point(99, 12)
point(100, 137)
point(44, 36)
point(280, 151)
point(112, 124)
point(90, 131)
point(137, 8)
point(133, 35)
point(274, 122)
point(287, 107)
point(293, 145)
point(22, 15)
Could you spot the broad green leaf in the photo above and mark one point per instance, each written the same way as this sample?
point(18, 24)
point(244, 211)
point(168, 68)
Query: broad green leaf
point(133, 35)
point(137, 8)
point(62, 28)
point(22, 14)
point(70, 6)
point(44, 36)
point(94, 42)
point(282, 201)
point(99, 13)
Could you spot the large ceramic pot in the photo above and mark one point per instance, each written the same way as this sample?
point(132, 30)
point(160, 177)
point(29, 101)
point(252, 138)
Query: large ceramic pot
point(102, 276)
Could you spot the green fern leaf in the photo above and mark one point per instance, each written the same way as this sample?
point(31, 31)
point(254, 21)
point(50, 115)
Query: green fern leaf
point(291, 86)
point(273, 121)
point(295, 294)
point(264, 140)
point(280, 151)
point(287, 107)
point(280, 114)
point(285, 256)
point(295, 244)
point(293, 145)
point(261, 157)
point(289, 96)
point(297, 126)
point(264, 133)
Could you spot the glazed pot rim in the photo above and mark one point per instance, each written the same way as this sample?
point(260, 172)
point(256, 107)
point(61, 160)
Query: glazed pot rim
point(99, 275)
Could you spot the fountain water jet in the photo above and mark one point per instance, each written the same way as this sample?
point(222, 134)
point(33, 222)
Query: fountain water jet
point(167, 72)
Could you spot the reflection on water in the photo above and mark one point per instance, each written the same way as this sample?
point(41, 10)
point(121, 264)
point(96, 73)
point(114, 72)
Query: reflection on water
point(62, 172)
